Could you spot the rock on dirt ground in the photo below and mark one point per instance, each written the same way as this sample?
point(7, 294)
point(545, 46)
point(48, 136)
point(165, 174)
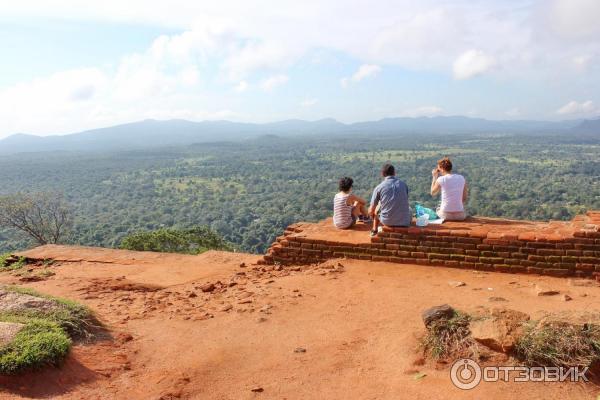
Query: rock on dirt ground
point(498, 329)
point(8, 331)
point(13, 301)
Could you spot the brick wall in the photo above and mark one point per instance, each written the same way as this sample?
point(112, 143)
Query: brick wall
point(571, 252)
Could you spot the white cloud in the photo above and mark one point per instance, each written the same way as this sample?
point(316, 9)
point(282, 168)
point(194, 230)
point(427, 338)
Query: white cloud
point(472, 63)
point(576, 19)
point(582, 62)
point(513, 112)
point(363, 72)
point(234, 41)
point(52, 100)
point(423, 111)
point(574, 107)
point(309, 102)
point(272, 82)
point(241, 86)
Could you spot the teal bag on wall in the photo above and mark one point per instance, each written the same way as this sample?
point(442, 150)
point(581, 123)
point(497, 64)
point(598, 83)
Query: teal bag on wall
point(421, 210)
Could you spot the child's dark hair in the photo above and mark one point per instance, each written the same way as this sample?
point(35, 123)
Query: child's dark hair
point(345, 184)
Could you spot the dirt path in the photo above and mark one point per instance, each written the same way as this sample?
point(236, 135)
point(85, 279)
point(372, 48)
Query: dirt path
point(359, 327)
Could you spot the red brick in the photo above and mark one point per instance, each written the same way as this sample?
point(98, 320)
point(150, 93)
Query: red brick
point(518, 269)
point(502, 268)
point(590, 260)
point(438, 256)
point(453, 264)
point(533, 257)
point(556, 272)
point(491, 260)
point(311, 252)
point(380, 258)
point(550, 252)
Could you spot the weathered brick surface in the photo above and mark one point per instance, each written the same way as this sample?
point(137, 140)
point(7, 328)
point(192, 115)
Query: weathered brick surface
point(552, 248)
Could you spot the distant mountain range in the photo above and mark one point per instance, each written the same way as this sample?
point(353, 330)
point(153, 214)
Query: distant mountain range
point(152, 133)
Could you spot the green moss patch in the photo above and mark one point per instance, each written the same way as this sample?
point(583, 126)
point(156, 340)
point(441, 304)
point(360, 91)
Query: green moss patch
point(47, 333)
point(39, 343)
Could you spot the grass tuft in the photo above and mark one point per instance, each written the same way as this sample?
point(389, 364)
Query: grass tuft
point(450, 338)
point(7, 265)
point(559, 345)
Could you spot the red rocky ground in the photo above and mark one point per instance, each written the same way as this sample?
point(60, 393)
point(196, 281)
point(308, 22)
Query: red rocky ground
point(217, 326)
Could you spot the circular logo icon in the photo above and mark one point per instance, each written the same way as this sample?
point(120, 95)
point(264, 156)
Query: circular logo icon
point(465, 374)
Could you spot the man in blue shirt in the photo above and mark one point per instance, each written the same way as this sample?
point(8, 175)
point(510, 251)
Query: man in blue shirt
point(392, 197)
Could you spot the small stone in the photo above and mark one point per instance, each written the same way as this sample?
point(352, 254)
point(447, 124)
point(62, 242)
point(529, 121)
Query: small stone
point(226, 307)
point(456, 284)
point(436, 313)
point(124, 337)
point(542, 291)
point(192, 295)
point(257, 389)
point(583, 282)
point(243, 265)
point(496, 298)
point(209, 287)
point(8, 331)
point(245, 301)
point(566, 297)
point(261, 319)
point(299, 350)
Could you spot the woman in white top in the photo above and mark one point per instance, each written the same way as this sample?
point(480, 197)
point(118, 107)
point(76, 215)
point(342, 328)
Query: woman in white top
point(347, 207)
point(454, 191)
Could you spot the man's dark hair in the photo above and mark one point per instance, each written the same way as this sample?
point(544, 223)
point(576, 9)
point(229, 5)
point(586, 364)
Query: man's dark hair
point(345, 184)
point(388, 170)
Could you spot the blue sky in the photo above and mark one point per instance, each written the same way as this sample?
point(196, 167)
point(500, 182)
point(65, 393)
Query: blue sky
point(68, 67)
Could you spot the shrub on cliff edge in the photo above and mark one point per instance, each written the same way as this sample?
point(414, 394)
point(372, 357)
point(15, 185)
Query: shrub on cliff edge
point(167, 240)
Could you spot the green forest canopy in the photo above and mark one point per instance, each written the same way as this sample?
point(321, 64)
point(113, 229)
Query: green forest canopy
point(249, 191)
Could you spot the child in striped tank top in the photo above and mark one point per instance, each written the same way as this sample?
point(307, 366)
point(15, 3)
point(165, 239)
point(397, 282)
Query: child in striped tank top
point(347, 207)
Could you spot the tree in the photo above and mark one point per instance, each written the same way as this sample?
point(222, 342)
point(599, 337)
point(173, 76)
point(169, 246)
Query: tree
point(45, 216)
point(167, 240)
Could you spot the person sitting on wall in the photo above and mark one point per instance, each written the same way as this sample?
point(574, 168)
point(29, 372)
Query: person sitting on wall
point(347, 207)
point(453, 188)
point(389, 203)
